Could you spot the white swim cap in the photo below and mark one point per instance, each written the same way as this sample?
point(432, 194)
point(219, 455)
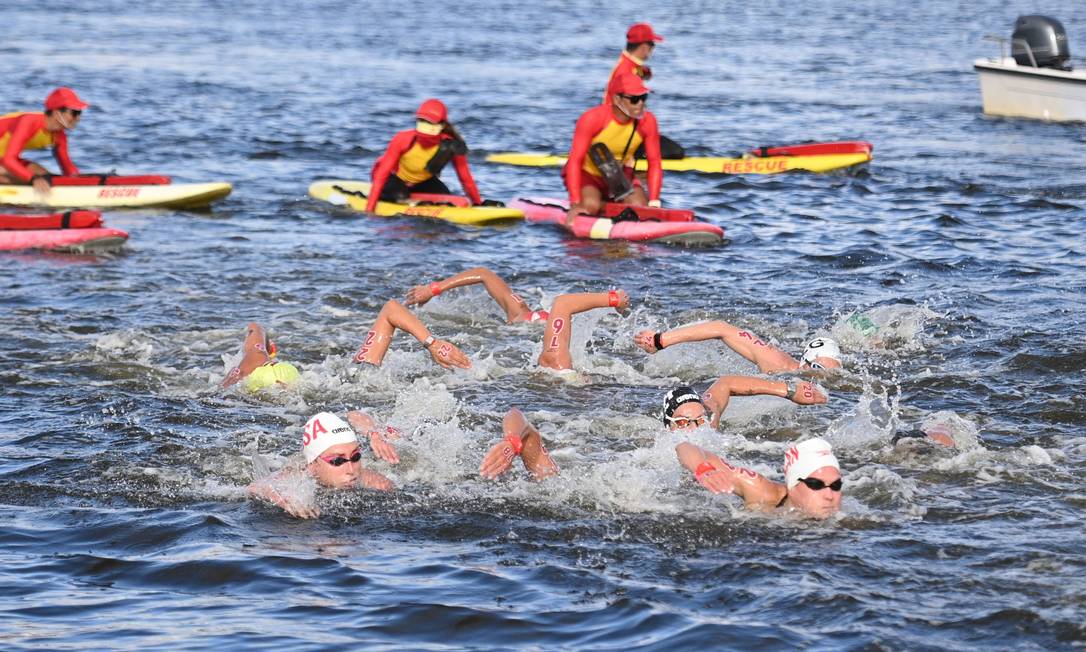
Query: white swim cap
point(821, 347)
point(323, 431)
point(807, 457)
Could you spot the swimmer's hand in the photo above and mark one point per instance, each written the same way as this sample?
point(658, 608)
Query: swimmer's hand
point(381, 448)
point(448, 355)
point(418, 295)
point(623, 306)
point(498, 460)
point(290, 505)
point(717, 481)
point(644, 340)
point(808, 393)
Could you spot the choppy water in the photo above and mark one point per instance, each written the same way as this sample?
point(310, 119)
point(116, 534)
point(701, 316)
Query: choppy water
point(123, 519)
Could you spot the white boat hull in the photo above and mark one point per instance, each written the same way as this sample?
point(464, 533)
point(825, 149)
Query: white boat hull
point(1008, 89)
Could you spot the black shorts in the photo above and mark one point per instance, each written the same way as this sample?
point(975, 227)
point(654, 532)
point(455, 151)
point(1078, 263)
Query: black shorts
point(396, 190)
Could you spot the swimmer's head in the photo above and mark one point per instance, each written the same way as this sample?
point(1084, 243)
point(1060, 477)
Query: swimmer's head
point(331, 450)
point(822, 353)
point(813, 477)
point(683, 409)
point(279, 373)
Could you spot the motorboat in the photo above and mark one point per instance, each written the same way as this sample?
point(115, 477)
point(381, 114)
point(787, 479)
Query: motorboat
point(1037, 80)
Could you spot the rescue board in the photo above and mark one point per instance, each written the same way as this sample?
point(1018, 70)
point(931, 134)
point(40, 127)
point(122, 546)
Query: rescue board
point(449, 208)
point(74, 231)
point(158, 195)
point(809, 157)
point(680, 229)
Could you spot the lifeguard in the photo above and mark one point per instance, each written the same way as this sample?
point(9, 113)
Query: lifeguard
point(33, 130)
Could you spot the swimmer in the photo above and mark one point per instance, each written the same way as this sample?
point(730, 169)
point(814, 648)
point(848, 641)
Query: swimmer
point(812, 479)
point(516, 309)
point(392, 316)
point(521, 440)
point(259, 367)
point(332, 458)
point(555, 354)
point(821, 353)
point(685, 410)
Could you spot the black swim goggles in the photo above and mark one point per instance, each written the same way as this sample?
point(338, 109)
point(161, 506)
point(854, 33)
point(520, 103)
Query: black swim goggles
point(814, 484)
point(339, 460)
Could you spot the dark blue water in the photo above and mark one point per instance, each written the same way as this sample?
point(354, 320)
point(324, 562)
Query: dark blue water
point(123, 518)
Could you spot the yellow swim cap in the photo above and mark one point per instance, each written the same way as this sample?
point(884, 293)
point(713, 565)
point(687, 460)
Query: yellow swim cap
point(282, 373)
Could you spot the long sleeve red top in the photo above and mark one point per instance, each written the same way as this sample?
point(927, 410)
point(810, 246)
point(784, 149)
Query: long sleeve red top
point(389, 163)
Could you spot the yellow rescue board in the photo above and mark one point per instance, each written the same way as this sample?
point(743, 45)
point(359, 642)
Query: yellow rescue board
point(172, 195)
point(353, 195)
point(710, 164)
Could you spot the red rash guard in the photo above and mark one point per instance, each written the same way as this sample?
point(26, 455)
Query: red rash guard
point(626, 63)
point(594, 121)
point(19, 131)
point(401, 143)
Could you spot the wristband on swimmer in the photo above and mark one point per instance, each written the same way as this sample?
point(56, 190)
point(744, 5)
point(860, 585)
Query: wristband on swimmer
point(703, 468)
point(435, 288)
point(515, 442)
point(428, 341)
point(790, 389)
point(612, 298)
point(657, 342)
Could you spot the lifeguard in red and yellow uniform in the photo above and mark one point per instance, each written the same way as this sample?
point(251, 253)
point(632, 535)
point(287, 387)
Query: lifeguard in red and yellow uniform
point(621, 127)
point(415, 157)
point(640, 42)
point(33, 130)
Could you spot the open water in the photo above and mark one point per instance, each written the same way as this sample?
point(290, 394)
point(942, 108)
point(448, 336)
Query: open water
point(123, 518)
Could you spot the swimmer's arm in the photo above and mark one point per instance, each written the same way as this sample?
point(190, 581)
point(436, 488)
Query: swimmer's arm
point(556, 338)
point(253, 355)
point(498, 289)
point(374, 480)
point(720, 393)
point(392, 316)
point(769, 358)
point(264, 488)
point(533, 454)
point(718, 476)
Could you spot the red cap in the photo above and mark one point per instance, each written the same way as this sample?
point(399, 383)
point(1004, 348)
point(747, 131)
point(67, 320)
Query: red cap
point(642, 33)
point(432, 111)
point(627, 83)
point(64, 98)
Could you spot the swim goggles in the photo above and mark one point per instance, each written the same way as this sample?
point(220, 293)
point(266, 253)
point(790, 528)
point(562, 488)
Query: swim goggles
point(814, 484)
point(339, 460)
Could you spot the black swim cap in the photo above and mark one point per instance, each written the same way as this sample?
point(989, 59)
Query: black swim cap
point(677, 397)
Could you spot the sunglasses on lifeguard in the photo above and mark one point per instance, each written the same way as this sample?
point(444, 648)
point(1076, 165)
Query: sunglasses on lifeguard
point(339, 460)
point(635, 99)
point(814, 484)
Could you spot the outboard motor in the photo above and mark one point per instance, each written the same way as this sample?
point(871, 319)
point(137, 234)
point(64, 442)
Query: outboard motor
point(1045, 38)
